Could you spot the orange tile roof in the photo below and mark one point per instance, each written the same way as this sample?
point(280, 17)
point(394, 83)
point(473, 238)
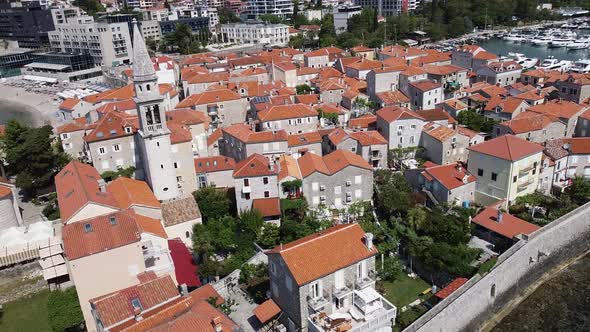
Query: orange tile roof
point(209, 97)
point(528, 121)
point(310, 99)
point(4, 192)
point(113, 125)
point(303, 71)
point(243, 133)
point(451, 176)
point(440, 133)
point(443, 70)
point(365, 64)
point(214, 164)
point(268, 207)
point(254, 165)
point(76, 125)
point(508, 105)
point(456, 104)
point(152, 226)
point(331, 108)
point(395, 62)
point(120, 105)
point(507, 147)
point(129, 192)
point(361, 48)
point(450, 288)
point(331, 84)
point(413, 71)
point(285, 66)
point(393, 113)
point(69, 103)
point(561, 109)
point(208, 78)
point(116, 307)
point(283, 112)
point(266, 311)
point(337, 136)
point(484, 55)
point(393, 97)
point(289, 167)
point(77, 185)
point(331, 163)
point(509, 226)
point(402, 52)
point(179, 133)
point(103, 235)
point(425, 85)
point(369, 137)
point(432, 58)
point(325, 252)
point(329, 72)
point(304, 139)
point(363, 121)
point(214, 136)
point(188, 117)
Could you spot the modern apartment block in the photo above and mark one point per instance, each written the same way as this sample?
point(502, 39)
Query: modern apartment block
point(280, 8)
point(26, 22)
point(389, 7)
point(273, 34)
point(109, 44)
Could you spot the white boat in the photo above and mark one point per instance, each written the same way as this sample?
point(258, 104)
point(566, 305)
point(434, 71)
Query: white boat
point(515, 38)
point(521, 59)
point(552, 63)
point(561, 42)
point(581, 66)
point(579, 44)
point(541, 40)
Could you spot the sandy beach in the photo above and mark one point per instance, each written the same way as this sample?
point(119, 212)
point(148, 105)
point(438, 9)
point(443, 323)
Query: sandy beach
point(32, 108)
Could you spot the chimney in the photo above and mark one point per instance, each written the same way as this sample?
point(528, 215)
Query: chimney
point(216, 323)
point(184, 290)
point(102, 186)
point(369, 240)
point(499, 216)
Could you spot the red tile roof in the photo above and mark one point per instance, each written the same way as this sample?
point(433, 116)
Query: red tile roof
point(443, 70)
point(113, 125)
point(363, 121)
point(425, 85)
point(304, 139)
point(103, 235)
point(529, 121)
point(311, 99)
point(214, 164)
point(209, 97)
point(243, 133)
point(254, 165)
point(185, 268)
point(129, 192)
point(76, 125)
point(451, 176)
point(69, 103)
point(450, 288)
point(117, 307)
point(509, 226)
point(393, 113)
point(268, 207)
point(325, 252)
point(266, 311)
point(77, 185)
point(283, 112)
point(561, 109)
point(508, 105)
point(507, 147)
point(370, 137)
point(484, 55)
point(331, 163)
point(390, 98)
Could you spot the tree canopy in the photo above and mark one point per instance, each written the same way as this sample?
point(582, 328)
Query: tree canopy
point(213, 203)
point(64, 310)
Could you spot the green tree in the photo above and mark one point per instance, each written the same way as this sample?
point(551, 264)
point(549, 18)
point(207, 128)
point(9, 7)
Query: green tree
point(392, 193)
point(392, 268)
point(63, 309)
point(51, 210)
point(269, 235)
point(417, 218)
point(32, 156)
point(250, 224)
point(303, 89)
point(296, 41)
point(90, 6)
point(213, 203)
point(579, 190)
point(270, 18)
point(227, 16)
point(184, 40)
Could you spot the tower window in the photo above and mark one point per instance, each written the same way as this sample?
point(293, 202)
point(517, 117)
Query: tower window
point(148, 87)
point(162, 166)
point(157, 118)
point(148, 117)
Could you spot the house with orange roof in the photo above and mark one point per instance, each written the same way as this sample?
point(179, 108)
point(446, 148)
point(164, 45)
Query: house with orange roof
point(285, 72)
point(444, 145)
point(398, 51)
point(294, 119)
point(471, 57)
point(576, 87)
point(73, 108)
point(335, 180)
point(370, 145)
point(570, 156)
point(215, 171)
point(197, 123)
point(500, 228)
point(256, 186)
point(331, 90)
point(566, 111)
point(258, 74)
point(300, 144)
point(179, 217)
point(323, 57)
point(327, 275)
point(200, 82)
point(326, 108)
point(223, 106)
point(126, 242)
point(506, 167)
point(400, 126)
point(306, 75)
point(135, 195)
point(454, 107)
point(540, 77)
point(533, 127)
point(360, 68)
point(364, 122)
point(307, 99)
point(501, 73)
point(449, 183)
point(72, 137)
point(363, 52)
point(504, 108)
point(384, 79)
point(239, 141)
point(425, 94)
point(450, 76)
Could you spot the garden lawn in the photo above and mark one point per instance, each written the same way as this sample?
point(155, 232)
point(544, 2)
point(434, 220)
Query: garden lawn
point(404, 290)
point(26, 314)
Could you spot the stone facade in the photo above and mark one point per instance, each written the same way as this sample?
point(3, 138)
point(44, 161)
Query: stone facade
point(401, 133)
point(254, 187)
point(349, 185)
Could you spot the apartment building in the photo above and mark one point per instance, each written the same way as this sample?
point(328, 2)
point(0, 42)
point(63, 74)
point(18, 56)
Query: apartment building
point(444, 145)
point(566, 111)
point(425, 94)
point(370, 145)
point(264, 34)
point(109, 44)
point(341, 16)
point(504, 108)
point(472, 57)
point(279, 8)
point(502, 73)
point(239, 141)
point(401, 127)
point(506, 167)
point(383, 80)
point(225, 107)
point(294, 119)
point(389, 7)
point(571, 157)
point(576, 87)
point(336, 280)
point(335, 180)
point(533, 127)
point(256, 179)
point(72, 135)
point(450, 183)
point(451, 77)
point(215, 171)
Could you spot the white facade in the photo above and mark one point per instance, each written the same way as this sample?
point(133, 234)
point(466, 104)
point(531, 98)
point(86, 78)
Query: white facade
point(280, 8)
point(273, 34)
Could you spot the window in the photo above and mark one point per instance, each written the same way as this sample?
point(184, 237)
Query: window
point(514, 179)
point(412, 139)
point(246, 182)
point(102, 150)
point(358, 179)
point(358, 193)
point(267, 194)
point(116, 147)
point(128, 130)
point(202, 180)
point(87, 228)
point(315, 186)
point(494, 176)
point(247, 196)
point(135, 302)
point(175, 165)
point(265, 180)
point(315, 290)
point(67, 146)
point(479, 172)
point(187, 234)
point(337, 190)
point(113, 220)
point(65, 136)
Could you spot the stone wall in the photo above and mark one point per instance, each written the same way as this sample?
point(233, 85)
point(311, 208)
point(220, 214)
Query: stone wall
point(482, 297)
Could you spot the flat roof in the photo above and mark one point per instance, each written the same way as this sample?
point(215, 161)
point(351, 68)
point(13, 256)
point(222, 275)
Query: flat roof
point(43, 65)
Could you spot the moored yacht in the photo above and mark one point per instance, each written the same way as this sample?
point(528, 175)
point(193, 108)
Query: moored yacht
point(579, 44)
point(551, 63)
point(581, 66)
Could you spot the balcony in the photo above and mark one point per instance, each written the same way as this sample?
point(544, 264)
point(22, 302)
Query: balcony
point(317, 303)
point(526, 170)
point(342, 292)
point(369, 280)
point(376, 155)
point(369, 312)
point(524, 185)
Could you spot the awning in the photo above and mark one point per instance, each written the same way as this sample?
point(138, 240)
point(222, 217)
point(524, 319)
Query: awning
point(40, 79)
point(50, 66)
point(266, 311)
